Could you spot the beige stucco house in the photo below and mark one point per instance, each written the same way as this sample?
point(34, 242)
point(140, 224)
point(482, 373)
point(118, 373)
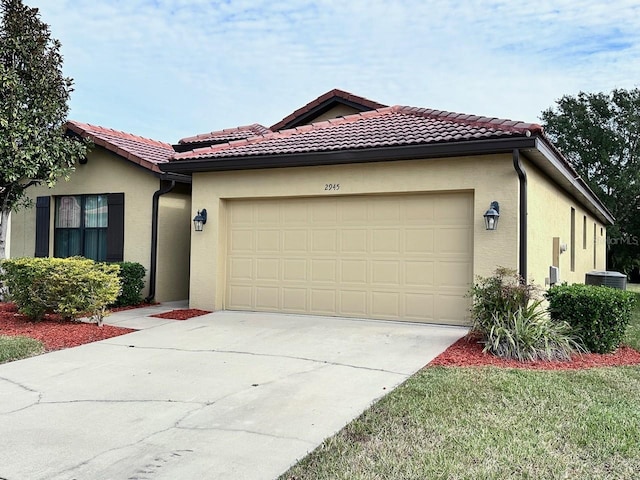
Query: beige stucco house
point(351, 208)
point(117, 206)
point(346, 207)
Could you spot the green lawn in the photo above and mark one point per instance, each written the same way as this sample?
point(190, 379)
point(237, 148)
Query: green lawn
point(490, 423)
point(15, 348)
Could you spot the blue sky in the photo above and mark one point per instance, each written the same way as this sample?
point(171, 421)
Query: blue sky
point(167, 69)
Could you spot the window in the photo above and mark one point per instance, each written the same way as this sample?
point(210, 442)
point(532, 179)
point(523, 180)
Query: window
point(573, 239)
point(584, 232)
point(81, 223)
point(595, 246)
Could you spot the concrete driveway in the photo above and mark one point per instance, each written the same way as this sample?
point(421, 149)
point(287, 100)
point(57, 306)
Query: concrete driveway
point(227, 395)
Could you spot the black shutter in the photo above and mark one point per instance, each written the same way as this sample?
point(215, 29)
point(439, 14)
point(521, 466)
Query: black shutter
point(42, 226)
point(115, 230)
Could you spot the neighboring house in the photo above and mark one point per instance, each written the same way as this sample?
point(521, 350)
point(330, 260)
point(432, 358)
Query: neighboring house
point(379, 213)
point(118, 205)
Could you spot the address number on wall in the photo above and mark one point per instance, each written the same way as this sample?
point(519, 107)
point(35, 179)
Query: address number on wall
point(331, 186)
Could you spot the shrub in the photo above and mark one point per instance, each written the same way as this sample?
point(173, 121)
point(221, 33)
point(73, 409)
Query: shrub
point(497, 297)
point(132, 282)
point(599, 315)
point(528, 334)
point(15, 348)
point(69, 287)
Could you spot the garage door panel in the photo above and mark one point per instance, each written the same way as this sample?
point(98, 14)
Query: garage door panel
point(294, 270)
point(401, 257)
point(354, 241)
point(325, 270)
point(353, 303)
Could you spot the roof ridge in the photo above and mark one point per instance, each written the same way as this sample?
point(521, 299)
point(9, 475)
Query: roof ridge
point(88, 127)
point(473, 120)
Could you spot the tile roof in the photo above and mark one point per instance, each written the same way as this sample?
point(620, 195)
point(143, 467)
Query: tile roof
point(227, 135)
point(384, 127)
point(336, 95)
point(144, 151)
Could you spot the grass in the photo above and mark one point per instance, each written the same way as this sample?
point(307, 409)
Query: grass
point(15, 348)
point(489, 423)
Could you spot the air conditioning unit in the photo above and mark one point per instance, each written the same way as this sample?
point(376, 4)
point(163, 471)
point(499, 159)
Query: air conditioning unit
point(608, 279)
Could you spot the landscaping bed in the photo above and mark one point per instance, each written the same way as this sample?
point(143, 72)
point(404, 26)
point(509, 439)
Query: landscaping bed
point(52, 331)
point(467, 352)
point(182, 314)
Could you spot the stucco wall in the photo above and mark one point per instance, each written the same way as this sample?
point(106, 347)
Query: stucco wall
point(337, 111)
point(174, 237)
point(489, 178)
point(104, 173)
point(549, 216)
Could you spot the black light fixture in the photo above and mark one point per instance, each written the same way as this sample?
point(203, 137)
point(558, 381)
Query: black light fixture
point(200, 219)
point(491, 216)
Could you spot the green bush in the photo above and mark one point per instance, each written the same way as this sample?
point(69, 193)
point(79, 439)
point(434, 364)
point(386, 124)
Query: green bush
point(70, 287)
point(132, 282)
point(15, 348)
point(497, 297)
point(529, 334)
point(599, 315)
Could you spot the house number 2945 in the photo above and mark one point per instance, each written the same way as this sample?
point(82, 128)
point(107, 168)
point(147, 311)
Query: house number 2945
point(331, 186)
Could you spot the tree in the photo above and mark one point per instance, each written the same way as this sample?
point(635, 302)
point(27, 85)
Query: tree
point(599, 134)
point(33, 108)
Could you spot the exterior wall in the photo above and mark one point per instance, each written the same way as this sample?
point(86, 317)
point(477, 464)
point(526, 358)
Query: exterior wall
point(549, 216)
point(103, 173)
point(338, 111)
point(174, 237)
point(488, 177)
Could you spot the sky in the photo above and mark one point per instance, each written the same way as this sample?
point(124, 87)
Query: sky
point(167, 69)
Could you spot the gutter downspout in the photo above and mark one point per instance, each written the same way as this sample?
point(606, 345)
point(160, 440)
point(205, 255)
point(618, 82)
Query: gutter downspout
point(153, 268)
point(522, 176)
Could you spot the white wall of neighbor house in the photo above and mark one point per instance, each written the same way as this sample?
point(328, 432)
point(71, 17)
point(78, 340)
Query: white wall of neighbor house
point(489, 178)
point(103, 173)
point(549, 217)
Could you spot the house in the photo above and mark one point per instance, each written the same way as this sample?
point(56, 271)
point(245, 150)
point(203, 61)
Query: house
point(117, 205)
point(346, 207)
point(352, 208)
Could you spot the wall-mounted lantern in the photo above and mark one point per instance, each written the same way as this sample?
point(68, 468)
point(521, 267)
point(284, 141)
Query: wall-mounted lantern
point(491, 216)
point(200, 219)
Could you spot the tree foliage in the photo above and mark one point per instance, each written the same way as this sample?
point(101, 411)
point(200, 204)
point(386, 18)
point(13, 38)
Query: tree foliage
point(33, 108)
point(599, 134)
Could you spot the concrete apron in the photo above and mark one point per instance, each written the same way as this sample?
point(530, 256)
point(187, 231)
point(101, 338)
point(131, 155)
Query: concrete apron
point(226, 395)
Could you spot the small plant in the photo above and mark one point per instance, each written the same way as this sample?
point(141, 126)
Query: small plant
point(528, 334)
point(69, 287)
point(599, 315)
point(499, 296)
point(131, 276)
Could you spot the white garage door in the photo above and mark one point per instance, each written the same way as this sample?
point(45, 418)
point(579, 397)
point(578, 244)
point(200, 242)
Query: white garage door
point(400, 257)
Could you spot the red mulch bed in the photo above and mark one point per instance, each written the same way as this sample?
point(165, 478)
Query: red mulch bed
point(467, 352)
point(182, 314)
point(53, 332)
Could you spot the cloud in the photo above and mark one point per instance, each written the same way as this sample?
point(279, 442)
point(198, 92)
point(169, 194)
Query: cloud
point(172, 68)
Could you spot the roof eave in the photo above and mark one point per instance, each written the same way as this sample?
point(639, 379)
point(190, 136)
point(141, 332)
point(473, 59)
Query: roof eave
point(336, 157)
point(550, 161)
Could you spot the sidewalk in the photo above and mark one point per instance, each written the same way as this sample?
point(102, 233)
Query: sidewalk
point(140, 319)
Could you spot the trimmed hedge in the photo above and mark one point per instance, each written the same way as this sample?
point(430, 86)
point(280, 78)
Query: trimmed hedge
point(599, 315)
point(70, 287)
point(132, 282)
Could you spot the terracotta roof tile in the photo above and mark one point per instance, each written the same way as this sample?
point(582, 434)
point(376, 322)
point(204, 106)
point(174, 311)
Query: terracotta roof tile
point(227, 135)
point(143, 151)
point(389, 126)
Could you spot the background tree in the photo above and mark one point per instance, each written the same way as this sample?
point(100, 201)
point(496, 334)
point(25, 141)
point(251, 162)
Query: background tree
point(599, 134)
point(33, 108)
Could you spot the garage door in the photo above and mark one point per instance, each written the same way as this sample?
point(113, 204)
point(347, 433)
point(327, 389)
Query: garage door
point(401, 257)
